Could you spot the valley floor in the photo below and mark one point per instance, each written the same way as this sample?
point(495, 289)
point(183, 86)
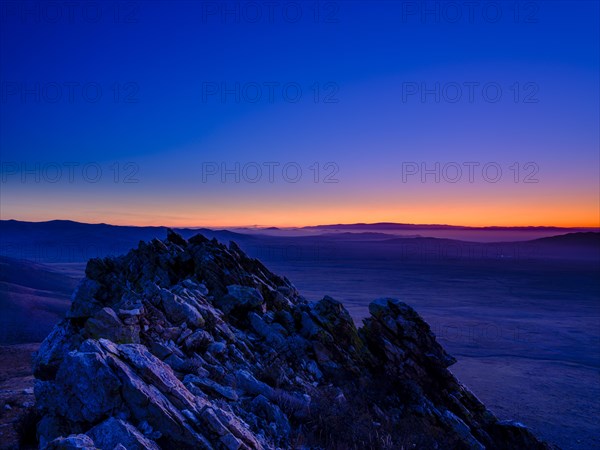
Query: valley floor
point(533, 392)
point(16, 391)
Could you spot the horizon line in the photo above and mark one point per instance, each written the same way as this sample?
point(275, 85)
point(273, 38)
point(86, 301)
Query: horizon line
point(300, 227)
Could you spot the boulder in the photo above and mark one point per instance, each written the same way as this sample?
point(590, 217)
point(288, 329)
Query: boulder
point(198, 340)
point(240, 299)
point(105, 323)
point(113, 432)
point(72, 442)
point(74, 395)
point(179, 311)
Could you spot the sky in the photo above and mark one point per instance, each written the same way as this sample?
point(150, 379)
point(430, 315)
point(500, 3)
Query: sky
point(240, 113)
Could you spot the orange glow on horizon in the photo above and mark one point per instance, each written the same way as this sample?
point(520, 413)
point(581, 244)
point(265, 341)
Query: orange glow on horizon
point(569, 209)
point(483, 216)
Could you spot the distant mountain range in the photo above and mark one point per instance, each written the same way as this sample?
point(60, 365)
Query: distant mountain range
point(69, 241)
point(63, 241)
point(140, 232)
point(41, 261)
point(411, 226)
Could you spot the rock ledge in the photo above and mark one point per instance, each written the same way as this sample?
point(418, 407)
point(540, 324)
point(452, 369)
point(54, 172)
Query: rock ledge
point(193, 345)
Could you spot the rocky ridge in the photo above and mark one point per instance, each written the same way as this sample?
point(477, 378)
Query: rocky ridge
point(185, 344)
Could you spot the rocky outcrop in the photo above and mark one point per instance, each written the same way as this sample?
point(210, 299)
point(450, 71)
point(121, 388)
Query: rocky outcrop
point(191, 344)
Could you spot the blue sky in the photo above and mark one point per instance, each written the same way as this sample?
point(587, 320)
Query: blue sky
point(126, 87)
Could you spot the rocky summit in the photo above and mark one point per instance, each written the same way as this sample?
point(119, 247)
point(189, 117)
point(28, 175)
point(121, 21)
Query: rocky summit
point(190, 344)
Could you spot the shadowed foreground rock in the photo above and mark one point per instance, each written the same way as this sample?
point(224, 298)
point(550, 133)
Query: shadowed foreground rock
point(193, 345)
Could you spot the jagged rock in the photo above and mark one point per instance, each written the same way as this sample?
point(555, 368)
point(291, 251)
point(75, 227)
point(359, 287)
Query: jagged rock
point(217, 348)
point(84, 302)
point(240, 298)
point(274, 417)
point(179, 311)
point(191, 344)
point(175, 238)
point(230, 442)
point(113, 432)
point(105, 323)
point(271, 335)
point(51, 427)
point(463, 431)
point(73, 442)
point(250, 385)
point(50, 355)
point(213, 387)
point(198, 341)
point(147, 403)
point(75, 385)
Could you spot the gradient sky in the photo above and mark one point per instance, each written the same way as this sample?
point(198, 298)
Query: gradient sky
point(118, 116)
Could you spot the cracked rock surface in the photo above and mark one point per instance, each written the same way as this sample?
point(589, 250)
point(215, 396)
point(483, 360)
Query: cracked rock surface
point(194, 345)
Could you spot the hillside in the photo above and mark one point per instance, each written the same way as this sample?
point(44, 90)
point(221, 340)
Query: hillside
point(191, 344)
point(33, 298)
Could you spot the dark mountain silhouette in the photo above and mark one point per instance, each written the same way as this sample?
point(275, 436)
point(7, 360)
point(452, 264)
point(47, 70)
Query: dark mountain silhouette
point(411, 226)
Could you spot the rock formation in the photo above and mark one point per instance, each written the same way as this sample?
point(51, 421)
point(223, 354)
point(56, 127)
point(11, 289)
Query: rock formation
point(194, 345)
